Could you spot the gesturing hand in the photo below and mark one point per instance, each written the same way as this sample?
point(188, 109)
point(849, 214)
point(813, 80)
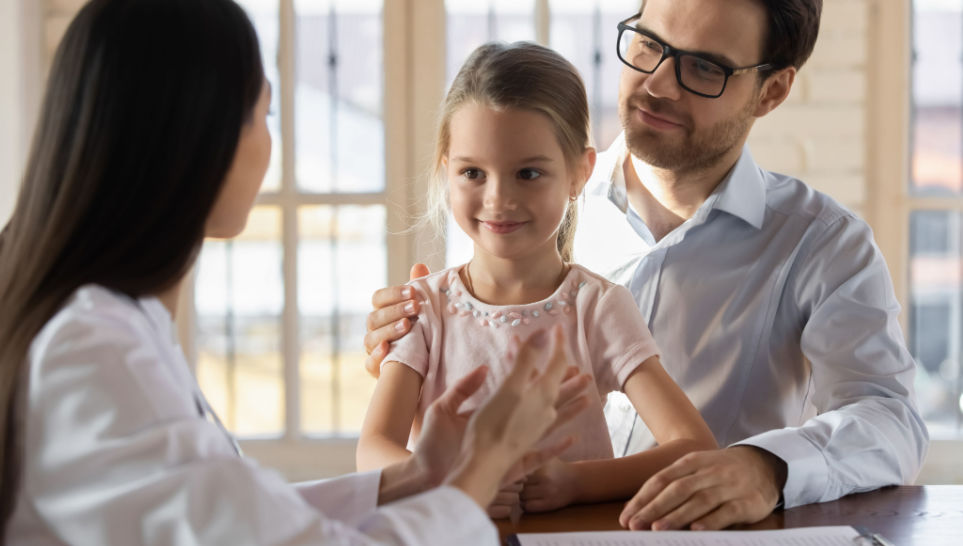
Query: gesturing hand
point(708, 490)
point(497, 448)
point(443, 429)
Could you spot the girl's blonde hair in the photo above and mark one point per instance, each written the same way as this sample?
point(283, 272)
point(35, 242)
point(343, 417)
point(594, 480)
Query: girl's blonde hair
point(524, 76)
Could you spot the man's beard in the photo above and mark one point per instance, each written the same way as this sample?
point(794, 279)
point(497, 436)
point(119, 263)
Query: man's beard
point(694, 151)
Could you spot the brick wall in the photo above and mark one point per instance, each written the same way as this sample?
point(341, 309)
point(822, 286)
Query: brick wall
point(819, 133)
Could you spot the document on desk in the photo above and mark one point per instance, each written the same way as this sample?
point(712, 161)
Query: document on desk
point(801, 536)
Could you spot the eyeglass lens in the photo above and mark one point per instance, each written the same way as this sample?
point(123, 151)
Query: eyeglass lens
point(694, 73)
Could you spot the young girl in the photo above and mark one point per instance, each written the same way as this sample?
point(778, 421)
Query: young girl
point(513, 153)
point(153, 136)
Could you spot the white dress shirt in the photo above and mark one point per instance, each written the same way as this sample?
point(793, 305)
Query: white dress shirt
point(776, 314)
point(120, 449)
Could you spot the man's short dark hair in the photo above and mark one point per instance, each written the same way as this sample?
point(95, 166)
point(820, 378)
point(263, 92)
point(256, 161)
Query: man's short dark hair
point(793, 26)
point(791, 30)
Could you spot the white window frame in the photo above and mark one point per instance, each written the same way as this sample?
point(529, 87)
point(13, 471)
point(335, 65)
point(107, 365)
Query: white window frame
point(888, 170)
point(413, 88)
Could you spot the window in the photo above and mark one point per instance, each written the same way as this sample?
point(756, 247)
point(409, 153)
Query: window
point(279, 311)
point(582, 31)
point(935, 321)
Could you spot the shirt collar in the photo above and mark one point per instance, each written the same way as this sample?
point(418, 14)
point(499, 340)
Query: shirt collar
point(742, 193)
point(159, 316)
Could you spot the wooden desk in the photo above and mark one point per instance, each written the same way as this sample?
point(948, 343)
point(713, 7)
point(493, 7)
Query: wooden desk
point(906, 515)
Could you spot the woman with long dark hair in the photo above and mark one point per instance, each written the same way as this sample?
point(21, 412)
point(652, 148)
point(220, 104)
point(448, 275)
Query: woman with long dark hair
point(152, 136)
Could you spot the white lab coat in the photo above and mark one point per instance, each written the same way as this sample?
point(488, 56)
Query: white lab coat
point(120, 450)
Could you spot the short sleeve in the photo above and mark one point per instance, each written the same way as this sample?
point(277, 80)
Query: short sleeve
point(618, 338)
point(412, 350)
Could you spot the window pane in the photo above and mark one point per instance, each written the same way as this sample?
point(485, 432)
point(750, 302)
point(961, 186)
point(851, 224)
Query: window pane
point(338, 103)
point(585, 33)
point(239, 296)
point(342, 260)
point(935, 325)
point(471, 23)
point(937, 80)
point(264, 15)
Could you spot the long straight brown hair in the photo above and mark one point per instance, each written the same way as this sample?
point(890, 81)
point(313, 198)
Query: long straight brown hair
point(141, 118)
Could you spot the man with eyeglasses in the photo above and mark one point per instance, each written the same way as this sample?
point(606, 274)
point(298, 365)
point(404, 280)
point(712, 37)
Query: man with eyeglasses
point(772, 305)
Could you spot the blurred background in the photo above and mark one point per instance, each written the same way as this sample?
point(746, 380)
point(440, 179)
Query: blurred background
point(274, 320)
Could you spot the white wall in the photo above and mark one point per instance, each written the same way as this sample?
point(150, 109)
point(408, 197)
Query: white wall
point(21, 63)
point(9, 100)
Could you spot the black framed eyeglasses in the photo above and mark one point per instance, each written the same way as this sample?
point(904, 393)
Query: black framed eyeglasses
point(644, 52)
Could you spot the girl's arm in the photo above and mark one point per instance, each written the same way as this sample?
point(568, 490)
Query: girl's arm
point(674, 421)
point(387, 425)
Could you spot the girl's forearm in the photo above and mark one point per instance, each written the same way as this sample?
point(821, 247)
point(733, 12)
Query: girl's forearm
point(378, 452)
point(604, 480)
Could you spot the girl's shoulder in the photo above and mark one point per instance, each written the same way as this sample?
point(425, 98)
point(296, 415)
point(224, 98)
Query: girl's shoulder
point(586, 278)
point(437, 281)
point(596, 294)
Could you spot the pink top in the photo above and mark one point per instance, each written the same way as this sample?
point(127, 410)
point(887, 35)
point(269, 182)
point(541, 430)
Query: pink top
point(455, 333)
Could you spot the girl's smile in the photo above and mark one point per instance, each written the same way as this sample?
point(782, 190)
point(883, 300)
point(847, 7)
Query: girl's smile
point(502, 228)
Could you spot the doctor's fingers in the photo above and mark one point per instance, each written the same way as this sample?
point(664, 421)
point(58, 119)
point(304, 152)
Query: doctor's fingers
point(534, 459)
point(566, 412)
point(525, 376)
point(452, 398)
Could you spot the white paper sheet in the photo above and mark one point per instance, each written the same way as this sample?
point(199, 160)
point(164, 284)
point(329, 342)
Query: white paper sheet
point(800, 536)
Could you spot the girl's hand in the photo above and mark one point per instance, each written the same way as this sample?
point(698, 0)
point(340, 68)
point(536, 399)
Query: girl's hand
point(550, 487)
point(505, 501)
point(394, 309)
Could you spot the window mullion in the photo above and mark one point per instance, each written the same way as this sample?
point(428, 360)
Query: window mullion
point(290, 342)
point(543, 22)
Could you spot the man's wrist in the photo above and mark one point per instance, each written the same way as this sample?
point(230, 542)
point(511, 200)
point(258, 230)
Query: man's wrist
point(776, 470)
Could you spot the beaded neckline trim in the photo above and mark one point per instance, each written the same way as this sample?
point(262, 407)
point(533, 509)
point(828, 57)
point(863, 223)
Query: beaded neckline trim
point(562, 301)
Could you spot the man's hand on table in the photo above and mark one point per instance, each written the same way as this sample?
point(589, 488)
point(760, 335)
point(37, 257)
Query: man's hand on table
point(394, 309)
point(709, 490)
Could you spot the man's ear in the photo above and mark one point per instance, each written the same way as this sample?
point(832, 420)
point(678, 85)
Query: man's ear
point(775, 90)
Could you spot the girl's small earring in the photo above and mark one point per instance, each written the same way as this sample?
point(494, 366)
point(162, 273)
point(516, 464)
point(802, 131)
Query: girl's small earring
point(572, 198)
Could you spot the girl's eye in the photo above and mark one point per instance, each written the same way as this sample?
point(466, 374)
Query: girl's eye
point(471, 174)
point(529, 174)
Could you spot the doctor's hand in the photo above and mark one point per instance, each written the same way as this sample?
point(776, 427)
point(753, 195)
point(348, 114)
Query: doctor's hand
point(394, 309)
point(709, 490)
point(443, 429)
point(498, 444)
